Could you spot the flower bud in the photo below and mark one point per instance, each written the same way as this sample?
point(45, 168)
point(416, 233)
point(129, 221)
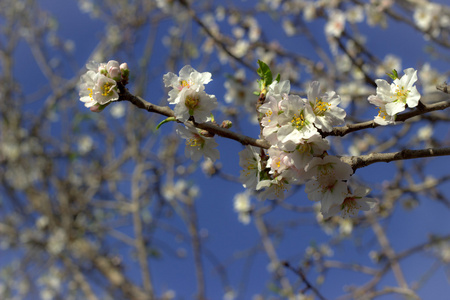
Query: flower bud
point(102, 69)
point(98, 107)
point(226, 124)
point(113, 70)
point(124, 67)
point(125, 73)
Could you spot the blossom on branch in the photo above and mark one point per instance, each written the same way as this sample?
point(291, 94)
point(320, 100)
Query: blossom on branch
point(189, 79)
point(98, 86)
point(250, 162)
point(352, 204)
point(327, 184)
point(189, 96)
point(198, 145)
point(296, 122)
point(393, 98)
point(196, 104)
point(325, 108)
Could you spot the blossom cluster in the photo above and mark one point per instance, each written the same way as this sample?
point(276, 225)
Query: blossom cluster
point(298, 153)
point(193, 103)
point(293, 126)
point(392, 99)
point(98, 86)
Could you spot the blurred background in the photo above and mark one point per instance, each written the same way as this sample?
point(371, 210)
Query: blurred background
point(104, 206)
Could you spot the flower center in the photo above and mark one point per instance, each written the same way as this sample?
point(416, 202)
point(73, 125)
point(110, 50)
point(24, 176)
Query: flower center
point(252, 166)
point(350, 206)
point(304, 148)
point(382, 113)
point(195, 141)
point(320, 107)
point(184, 84)
point(298, 121)
point(401, 93)
point(325, 170)
point(191, 102)
point(107, 88)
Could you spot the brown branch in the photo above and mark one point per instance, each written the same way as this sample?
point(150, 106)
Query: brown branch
point(422, 109)
point(214, 37)
point(364, 160)
point(125, 95)
point(300, 273)
point(443, 87)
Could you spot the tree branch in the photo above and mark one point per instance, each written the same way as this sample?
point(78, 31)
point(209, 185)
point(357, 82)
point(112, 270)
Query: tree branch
point(341, 131)
point(125, 95)
point(364, 160)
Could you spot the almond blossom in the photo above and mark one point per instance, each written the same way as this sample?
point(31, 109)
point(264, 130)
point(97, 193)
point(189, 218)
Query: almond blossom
point(352, 204)
point(198, 145)
point(189, 79)
point(270, 110)
point(250, 162)
point(242, 206)
point(275, 186)
point(98, 86)
point(394, 97)
point(382, 118)
point(325, 108)
point(196, 104)
point(327, 184)
point(296, 122)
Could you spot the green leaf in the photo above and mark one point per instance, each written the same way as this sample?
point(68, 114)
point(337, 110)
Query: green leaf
point(265, 73)
point(394, 74)
point(278, 77)
point(169, 119)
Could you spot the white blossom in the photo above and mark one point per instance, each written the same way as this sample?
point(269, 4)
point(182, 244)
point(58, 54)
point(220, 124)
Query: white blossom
point(352, 204)
point(250, 162)
point(355, 14)
point(296, 122)
point(98, 86)
point(198, 145)
point(393, 98)
point(327, 184)
point(275, 186)
point(325, 108)
point(383, 118)
point(196, 104)
point(189, 79)
point(270, 110)
point(242, 206)
point(336, 23)
point(307, 149)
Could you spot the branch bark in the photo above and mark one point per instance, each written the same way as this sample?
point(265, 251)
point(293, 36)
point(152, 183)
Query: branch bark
point(210, 127)
point(361, 161)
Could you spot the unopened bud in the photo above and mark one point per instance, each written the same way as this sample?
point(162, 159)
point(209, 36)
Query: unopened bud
point(98, 107)
point(226, 124)
point(113, 70)
point(124, 67)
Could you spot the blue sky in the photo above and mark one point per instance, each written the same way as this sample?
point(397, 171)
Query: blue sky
point(226, 237)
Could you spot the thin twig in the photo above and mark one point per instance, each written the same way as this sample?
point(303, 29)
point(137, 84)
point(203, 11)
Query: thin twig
point(300, 273)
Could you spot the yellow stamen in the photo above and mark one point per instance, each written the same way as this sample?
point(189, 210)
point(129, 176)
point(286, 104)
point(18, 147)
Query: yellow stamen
point(320, 107)
point(107, 88)
point(299, 121)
